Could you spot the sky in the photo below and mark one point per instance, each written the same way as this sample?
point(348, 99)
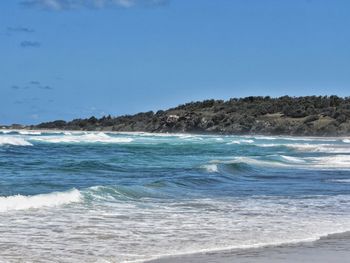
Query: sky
point(66, 59)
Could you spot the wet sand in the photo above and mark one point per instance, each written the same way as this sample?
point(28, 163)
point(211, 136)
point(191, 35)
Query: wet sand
point(331, 249)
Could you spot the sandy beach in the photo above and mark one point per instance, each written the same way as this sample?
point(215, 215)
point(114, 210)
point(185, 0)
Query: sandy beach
point(334, 248)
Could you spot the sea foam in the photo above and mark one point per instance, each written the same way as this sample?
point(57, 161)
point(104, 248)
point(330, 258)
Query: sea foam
point(21, 202)
point(210, 168)
point(242, 141)
point(84, 138)
point(16, 141)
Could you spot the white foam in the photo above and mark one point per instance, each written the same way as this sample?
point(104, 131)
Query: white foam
point(346, 181)
point(26, 132)
point(292, 159)
point(6, 131)
point(346, 140)
point(252, 161)
point(21, 202)
point(334, 161)
point(84, 138)
point(270, 138)
point(210, 168)
point(13, 140)
point(244, 141)
point(307, 147)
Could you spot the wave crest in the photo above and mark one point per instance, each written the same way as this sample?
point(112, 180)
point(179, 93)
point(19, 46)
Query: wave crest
point(84, 138)
point(210, 168)
point(21, 202)
point(16, 141)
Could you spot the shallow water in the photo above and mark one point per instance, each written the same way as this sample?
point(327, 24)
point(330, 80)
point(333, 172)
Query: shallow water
point(108, 197)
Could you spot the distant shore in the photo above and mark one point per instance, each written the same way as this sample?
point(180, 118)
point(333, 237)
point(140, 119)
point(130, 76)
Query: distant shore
point(333, 248)
point(27, 130)
point(294, 116)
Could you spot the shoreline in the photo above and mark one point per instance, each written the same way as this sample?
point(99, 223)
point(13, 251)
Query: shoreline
point(175, 133)
point(333, 248)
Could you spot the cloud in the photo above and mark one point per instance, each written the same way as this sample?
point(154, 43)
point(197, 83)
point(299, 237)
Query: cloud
point(34, 84)
point(20, 30)
point(29, 44)
point(59, 5)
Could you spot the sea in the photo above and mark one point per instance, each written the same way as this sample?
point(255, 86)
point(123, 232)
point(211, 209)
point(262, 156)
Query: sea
point(131, 197)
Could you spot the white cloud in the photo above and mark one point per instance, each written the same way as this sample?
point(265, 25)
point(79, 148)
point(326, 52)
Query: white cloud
point(76, 4)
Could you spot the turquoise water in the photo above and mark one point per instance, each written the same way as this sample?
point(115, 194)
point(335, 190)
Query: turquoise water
point(108, 197)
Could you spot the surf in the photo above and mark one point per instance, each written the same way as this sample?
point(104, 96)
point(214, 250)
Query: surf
point(22, 202)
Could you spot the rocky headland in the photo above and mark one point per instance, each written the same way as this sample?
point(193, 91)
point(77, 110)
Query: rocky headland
point(303, 116)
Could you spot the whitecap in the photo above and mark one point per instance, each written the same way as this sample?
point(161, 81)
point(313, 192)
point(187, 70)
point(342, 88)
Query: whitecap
point(21, 202)
point(25, 132)
point(85, 138)
point(6, 131)
point(253, 161)
point(244, 141)
point(346, 181)
point(333, 162)
point(307, 147)
point(16, 141)
point(292, 159)
point(210, 168)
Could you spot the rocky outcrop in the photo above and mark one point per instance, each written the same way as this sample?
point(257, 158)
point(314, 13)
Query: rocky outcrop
point(308, 116)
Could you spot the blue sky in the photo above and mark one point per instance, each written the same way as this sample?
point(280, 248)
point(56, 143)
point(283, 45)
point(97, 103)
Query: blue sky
point(63, 59)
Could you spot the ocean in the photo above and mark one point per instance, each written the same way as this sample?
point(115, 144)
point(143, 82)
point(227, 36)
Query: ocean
point(132, 197)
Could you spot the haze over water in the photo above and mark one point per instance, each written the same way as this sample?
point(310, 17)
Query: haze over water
point(126, 197)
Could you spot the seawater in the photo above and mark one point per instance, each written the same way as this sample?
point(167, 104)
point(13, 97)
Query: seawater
point(131, 197)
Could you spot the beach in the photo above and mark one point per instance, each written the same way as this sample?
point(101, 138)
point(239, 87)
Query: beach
point(334, 248)
point(134, 197)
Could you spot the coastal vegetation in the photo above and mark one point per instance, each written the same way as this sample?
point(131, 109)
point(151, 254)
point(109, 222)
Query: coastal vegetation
point(308, 116)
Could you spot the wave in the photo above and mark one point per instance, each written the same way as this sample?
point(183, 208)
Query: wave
point(330, 162)
point(256, 162)
point(29, 132)
point(346, 181)
point(113, 193)
point(307, 147)
point(244, 141)
point(7, 131)
point(210, 168)
point(15, 141)
point(84, 138)
point(346, 140)
point(21, 202)
point(334, 162)
point(21, 132)
point(292, 159)
point(240, 165)
point(290, 138)
point(269, 138)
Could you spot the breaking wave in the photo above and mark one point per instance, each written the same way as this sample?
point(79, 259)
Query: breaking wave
point(346, 181)
point(16, 141)
point(334, 162)
point(210, 168)
point(244, 141)
point(21, 202)
point(84, 138)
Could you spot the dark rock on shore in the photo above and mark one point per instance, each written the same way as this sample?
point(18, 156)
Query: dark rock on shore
point(307, 116)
